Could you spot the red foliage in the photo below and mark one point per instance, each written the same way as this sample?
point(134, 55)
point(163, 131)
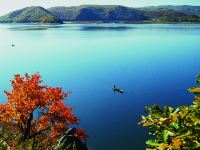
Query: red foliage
point(80, 134)
point(37, 109)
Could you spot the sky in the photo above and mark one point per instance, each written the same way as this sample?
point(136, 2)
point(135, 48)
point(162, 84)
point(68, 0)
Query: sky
point(10, 5)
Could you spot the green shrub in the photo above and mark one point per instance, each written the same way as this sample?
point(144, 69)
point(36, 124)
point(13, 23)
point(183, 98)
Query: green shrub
point(174, 128)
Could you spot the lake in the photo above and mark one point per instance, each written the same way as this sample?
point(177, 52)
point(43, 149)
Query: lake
point(152, 63)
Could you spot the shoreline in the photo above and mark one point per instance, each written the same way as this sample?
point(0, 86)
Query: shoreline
point(125, 22)
point(102, 22)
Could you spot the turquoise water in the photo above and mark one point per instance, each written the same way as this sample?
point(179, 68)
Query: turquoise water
point(152, 63)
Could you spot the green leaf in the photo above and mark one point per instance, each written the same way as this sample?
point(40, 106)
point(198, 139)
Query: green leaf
point(148, 109)
point(165, 136)
point(152, 143)
point(176, 111)
point(175, 125)
point(198, 81)
point(196, 146)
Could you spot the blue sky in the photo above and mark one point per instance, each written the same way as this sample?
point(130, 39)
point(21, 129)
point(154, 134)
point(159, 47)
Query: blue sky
point(10, 5)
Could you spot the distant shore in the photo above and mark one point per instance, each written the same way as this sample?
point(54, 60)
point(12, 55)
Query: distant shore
point(103, 22)
point(127, 22)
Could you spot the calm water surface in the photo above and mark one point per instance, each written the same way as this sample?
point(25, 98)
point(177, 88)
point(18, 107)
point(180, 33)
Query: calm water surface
point(152, 63)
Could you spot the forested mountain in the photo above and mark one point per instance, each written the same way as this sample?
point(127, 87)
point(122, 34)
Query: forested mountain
point(195, 10)
point(105, 13)
point(121, 13)
point(98, 13)
point(168, 15)
point(31, 14)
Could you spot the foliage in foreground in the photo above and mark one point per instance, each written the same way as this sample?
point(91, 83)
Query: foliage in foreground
point(174, 128)
point(35, 117)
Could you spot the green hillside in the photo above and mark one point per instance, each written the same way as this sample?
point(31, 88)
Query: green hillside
point(105, 13)
point(98, 13)
point(32, 14)
point(169, 15)
point(121, 13)
point(195, 10)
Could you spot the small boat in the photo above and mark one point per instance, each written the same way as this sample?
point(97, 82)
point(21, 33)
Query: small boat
point(117, 90)
point(13, 45)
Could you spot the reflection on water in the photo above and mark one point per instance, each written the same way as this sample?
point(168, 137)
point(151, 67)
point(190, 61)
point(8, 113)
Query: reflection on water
point(29, 28)
point(95, 28)
point(173, 27)
point(83, 28)
point(101, 27)
point(34, 27)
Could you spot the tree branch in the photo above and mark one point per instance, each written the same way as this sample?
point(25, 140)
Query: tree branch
point(37, 133)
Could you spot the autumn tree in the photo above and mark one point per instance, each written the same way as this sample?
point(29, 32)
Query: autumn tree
point(174, 128)
point(35, 114)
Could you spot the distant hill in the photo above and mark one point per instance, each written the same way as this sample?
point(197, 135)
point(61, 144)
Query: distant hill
point(32, 14)
point(121, 13)
point(105, 13)
point(195, 10)
point(169, 15)
point(98, 13)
